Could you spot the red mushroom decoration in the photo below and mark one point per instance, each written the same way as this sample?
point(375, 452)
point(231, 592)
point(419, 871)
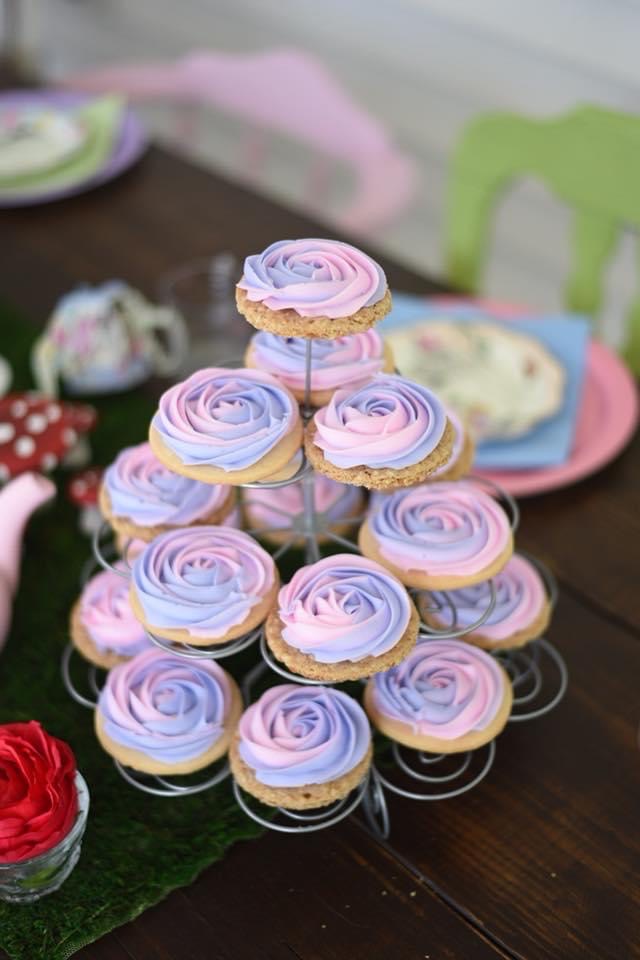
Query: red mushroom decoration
point(82, 490)
point(37, 433)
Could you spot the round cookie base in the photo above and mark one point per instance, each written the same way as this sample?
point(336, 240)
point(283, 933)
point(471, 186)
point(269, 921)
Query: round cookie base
point(254, 618)
point(137, 760)
point(515, 640)
point(289, 323)
point(421, 579)
point(263, 469)
point(307, 797)
point(319, 398)
point(379, 478)
point(403, 733)
point(130, 530)
point(307, 666)
point(86, 647)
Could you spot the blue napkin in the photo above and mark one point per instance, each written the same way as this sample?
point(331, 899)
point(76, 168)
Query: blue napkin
point(566, 336)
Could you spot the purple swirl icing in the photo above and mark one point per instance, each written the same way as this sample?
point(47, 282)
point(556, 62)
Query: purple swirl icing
point(296, 735)
point(143, 490)
point(201, 579)
point(223, 418)
point(166, 707)
point(316, 278)
point(520, 598)
point(344, 607)
point(444, 689)
point(345, 361)
point(388, 422)
point(443, 528)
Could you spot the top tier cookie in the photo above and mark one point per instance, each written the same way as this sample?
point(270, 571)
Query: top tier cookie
point(313, 289)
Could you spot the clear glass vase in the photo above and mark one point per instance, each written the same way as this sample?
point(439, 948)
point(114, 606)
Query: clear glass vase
point(28, 880)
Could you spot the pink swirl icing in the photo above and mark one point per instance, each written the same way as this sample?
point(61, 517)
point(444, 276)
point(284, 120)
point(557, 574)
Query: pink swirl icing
point(443, 689)
point(296, 735)
point(106, 615)
point(202, 579)
point(344, 607)
point(343, 362)
point(281, 506)
point(388, 422)
point(520, 599)
point(441, 528)
point(316, 278)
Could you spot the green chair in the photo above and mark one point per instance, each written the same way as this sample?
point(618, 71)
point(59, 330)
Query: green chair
point(589, 158)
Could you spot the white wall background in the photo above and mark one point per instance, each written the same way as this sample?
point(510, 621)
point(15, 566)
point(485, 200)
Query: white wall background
point(424, 68)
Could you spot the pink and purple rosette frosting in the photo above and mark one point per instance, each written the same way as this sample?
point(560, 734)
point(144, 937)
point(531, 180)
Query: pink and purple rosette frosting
point(344, 607)
point(445, 528)
point(520, 599)
point(143, 490)
point(296, 735)
point(444, 689)
point(204, 580)
point(280, 507)
point(107, 617)
point(316, 278)
point(388, 422)
point(227, 419)
point(170, 709)
point(344, 362)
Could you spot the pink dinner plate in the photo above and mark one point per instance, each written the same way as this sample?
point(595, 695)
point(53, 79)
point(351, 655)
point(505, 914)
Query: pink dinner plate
point(607, 419)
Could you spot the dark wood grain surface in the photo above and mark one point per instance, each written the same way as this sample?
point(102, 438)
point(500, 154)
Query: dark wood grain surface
point(542, 859)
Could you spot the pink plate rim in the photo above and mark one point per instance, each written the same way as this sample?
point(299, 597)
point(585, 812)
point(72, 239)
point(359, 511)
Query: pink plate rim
point(605, 375)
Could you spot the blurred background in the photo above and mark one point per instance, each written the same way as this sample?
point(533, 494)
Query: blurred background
point(417, 70)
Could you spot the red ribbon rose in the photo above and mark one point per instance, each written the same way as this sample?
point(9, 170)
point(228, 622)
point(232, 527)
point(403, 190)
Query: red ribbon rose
point(38, 795)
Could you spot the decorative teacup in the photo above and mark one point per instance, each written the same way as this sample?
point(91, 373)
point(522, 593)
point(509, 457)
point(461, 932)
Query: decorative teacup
point(105, 339)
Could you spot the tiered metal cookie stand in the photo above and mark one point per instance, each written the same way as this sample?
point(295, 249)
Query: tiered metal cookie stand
point(537, 671)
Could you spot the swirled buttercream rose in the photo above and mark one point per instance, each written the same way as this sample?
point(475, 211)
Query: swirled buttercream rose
point(456, 447)
point(106, 615)
point(445, 528)
point(343, 362)
point(344, 607)
point(387, 422)
point(295, 735)
point(316, 278)
point(443, 689)
point(38, 794)
point(201, 579)
point(227, 419)
point(520, 598)
point(168, 708)
point(140, 488)
point(336, 502)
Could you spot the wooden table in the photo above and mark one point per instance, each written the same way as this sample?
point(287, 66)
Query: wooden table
point(539, 861)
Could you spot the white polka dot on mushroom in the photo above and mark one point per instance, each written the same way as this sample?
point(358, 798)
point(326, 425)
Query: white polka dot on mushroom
point(24, 446)
point(7, 432)
point(53, 412)
point(69, 436)
point(36, 423)
point(19, 408)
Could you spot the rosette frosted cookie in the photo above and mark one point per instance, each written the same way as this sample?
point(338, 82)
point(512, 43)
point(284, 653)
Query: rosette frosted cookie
point(389, 432)
point(521, 613)
point(226, 426)
point(141, 498)
point(301, 747)
point(446, 697)
point(131, 548)
point(162, 714)
point(279, 511)
point(439, 535)
point(103, 626)
point(342, 618)
point(344, 362)
point(312, 288)
point(203, 585)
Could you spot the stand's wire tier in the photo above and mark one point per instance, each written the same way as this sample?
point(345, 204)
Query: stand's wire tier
point(414, 774)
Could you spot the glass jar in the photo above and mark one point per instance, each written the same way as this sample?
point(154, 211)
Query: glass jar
point(28, 880)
